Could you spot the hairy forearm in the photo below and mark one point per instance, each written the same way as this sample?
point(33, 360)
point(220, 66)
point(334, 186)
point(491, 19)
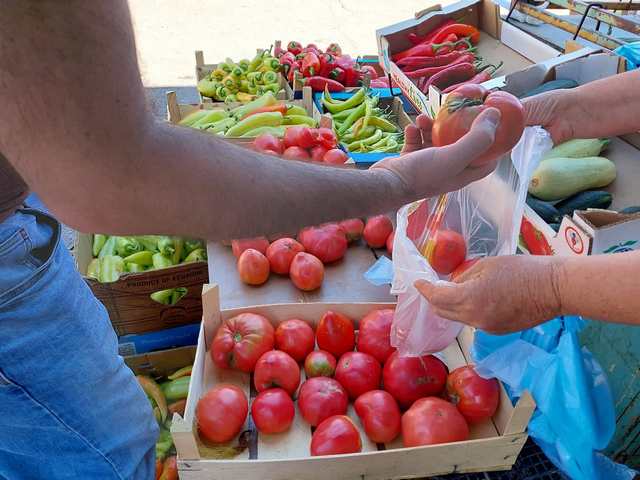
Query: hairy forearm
point(600, 287)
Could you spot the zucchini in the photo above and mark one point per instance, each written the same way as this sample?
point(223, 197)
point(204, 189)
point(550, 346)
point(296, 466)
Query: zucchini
point(552, 85)
point(630, 210)
point(559, 178)
point(545, 210)
point(578, 148)
point(585, 200)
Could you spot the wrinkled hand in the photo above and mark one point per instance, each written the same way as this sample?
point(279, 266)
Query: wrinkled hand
point(553, 111)
point(500, 294)
point(429, 171)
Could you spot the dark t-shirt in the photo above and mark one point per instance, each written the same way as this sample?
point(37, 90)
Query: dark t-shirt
point(13, 190)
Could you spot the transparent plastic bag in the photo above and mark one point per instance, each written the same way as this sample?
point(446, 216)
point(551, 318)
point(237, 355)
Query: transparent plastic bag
point(487, 213)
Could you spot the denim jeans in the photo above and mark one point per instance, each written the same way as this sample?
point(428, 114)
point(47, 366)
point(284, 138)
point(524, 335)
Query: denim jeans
point(69, 406)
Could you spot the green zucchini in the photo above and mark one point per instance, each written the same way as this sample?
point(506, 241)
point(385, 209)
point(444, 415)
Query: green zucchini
point(578, 148)
point(548, 86)
point(545, 210)
point(559, 178)
point(630, 210)
point(585, 200)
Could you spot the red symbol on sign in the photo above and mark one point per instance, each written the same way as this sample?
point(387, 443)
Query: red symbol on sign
point(574, 240)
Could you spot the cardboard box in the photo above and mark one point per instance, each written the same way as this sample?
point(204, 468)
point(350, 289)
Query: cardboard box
point(135, 344)
point(494, 444)
point(131, 309)
point(161, 364)
point(499, 41)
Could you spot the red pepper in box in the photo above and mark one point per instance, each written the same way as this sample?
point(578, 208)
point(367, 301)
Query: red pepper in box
point(534, 239)
point(428, 71)
point(451, 75)
point(288, 59)
point(318, 84)
point(437, 61)
point(334, 49)
point(460, 30)
point(428, 49)
point(337, 74)
point(451, 39)
point(311, 48)
point(352, 77)
point(294, 47)
point(292, 73)
point(416, 39)
point(369, 70)
point(480, 77)
point(327, 64)
point(310, 64)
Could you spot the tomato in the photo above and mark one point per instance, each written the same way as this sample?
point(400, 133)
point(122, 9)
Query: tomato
point(268, 142)
point(169, 469)
point(296, 153)
point(238, 246)
point(335, 156)
point(299, 136)
point(417, 221)
point(296, 338)
point(358, 373)
point(432, 420)
point(326, 138)
point(449, 251)
point(411, 378)
point(273, 411)
point(221, 413)
point(352, 228)
point(335, 334)
point(379, 414)
point(374, 334)
point(320, 398)
point(241, 341)
point(461, 108)
point(389, 243)
point(336, 435)
point(306, 272)
point(327, 242)
point(463, 267)
point(319, 364)
point(317, 153)
point(253, 267)
point(477, 398)
point(377, 230)
point(280, 254)
point(276, 368)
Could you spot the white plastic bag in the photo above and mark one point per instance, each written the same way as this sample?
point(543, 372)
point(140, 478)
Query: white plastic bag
point(487, 213)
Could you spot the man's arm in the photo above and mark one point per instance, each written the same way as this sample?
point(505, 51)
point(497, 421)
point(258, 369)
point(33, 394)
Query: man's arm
point(602, 108)
point(76, 128)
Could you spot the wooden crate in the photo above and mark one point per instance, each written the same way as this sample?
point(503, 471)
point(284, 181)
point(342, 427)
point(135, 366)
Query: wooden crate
point(204, 69)
point(131, 309)
point(494, 444)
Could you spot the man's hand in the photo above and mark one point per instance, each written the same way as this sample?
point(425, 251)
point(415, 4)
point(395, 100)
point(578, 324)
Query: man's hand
point(500, 294)
point(428, 170)
point(552, 111)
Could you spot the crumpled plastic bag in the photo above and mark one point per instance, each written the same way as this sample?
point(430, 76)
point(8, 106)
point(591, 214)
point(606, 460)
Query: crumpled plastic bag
point(631, 52)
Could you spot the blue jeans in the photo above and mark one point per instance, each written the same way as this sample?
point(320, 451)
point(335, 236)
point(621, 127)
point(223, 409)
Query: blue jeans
point(69, 406)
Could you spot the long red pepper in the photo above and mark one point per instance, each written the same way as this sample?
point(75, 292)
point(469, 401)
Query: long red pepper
point(424, 72)
point(459, 29)
point(417, 39)
point(480, 77)
point(453, 74)
point(318, 84)
point(436, 61)
point(427, 49)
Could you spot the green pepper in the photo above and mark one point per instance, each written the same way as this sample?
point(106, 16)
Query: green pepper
point(165, 245)
point(111, 266)
point(392, 146)
point(133, 267)
point(143, 258)
point(341, 116)
point(162, 296)
point(355, 114)
point(197, 255)
point(296, 110)
point(177, 294)
point(231, 98)
point(178, 245)
point(226, 66)
point(164, 443)
point(275, 131)
point(193, 117)
point(98, 242)
point(353, 101)
point(264, 119)
point(237, 71)
point(127, 245)
point(148, 242)
point(244, 85)
point(366, 141)
point(207, 87)
point(109, 248)
point(93, 269)
point(383, 124)
point(270, 77)
point(222, 126)
point(253, 90)
point(299, 120)
point(254, 77)
point(271, 63)
point(256, 62)
point(210, 116)
point(160, 261)
point(271, 87)
point(176, 389)
point(264, 101)
point(244, 64)
point(191, 244)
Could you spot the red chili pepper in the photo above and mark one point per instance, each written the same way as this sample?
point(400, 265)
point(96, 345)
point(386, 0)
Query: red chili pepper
point(287, 58)
point(310, 64)
point(460, 30)
point(369, 70)
point(318, 84)
point(427, 72)
point(427, 49)
point(327, 64)
point(281, 107)
point(334, 49)
point(294, 47)
point(450, 75)
point(311, 48)
point(438, 60)
point(417, 39)
point(448, 48)
point(337, 74)
point(534, 239)
point(352, 77)
point(480, 77)
point(292, 73)
point(345, 62)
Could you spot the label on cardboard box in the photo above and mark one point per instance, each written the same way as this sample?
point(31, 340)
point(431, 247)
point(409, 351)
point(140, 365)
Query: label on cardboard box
point(163, 339)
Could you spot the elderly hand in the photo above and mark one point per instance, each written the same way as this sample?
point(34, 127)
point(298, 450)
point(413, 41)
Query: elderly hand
point(427, 171)
point(556, 113)
point(500, 294)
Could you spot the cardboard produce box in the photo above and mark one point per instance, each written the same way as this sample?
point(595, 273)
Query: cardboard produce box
point(162, 363)
point(494, 444)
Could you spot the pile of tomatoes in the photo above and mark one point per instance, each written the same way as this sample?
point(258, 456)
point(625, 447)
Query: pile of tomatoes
point(303, 259)
point(303, 143)
point(438, 405)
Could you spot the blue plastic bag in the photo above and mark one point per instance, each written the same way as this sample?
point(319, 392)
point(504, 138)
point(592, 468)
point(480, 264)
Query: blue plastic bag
point(630, 51)
point(575, 415)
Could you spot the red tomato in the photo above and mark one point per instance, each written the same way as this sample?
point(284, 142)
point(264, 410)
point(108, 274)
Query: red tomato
point(320, 398)
point(377, 230)
point(352, 228)
point(296, 338)
point(389, 243)
point(319, 364)
point(238, 246)
point(411, 378)
point(374, 334)
point(296, 153)
point(326, 137)
point(266, 142)
point(306, 272)
point(335, 156)
point(317, 153)
point(477, 398)
point(253, 267)
point(336, 435)
point(463, 267)
point(379, 414)
point(432, 420)
point(455, 117)
point(241, 340)
point(169, 469)
point(273, 411)
point(221, 413)
point(327, 242)
point(276, 369)
point(299, 136)
point(358, 373)
point(280, 254)
point(449, 252)
point(335, 334)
